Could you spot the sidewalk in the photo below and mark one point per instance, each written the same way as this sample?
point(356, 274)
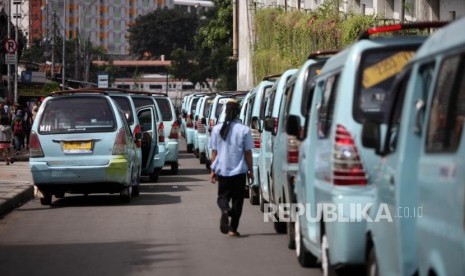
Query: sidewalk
point(13, 191)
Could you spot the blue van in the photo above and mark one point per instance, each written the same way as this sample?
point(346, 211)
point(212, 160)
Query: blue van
point(421, 177)
point(335, 172)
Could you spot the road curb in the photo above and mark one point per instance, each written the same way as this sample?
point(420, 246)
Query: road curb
point(21, 195)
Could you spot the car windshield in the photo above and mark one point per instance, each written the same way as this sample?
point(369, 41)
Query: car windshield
point(125, 106)
point(377, 72)
point(165, 108)
point(77, 115)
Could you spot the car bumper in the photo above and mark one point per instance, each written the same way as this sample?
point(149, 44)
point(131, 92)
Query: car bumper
point(114, 170)
point(189, 136)
point(160, 157)
point(202, 141)
point(172, 151)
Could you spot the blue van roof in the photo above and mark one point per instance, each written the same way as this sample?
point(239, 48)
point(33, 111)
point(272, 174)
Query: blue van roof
point(358, 47)
point(446, 38)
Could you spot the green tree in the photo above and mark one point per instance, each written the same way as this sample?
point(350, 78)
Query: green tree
point(162, 31)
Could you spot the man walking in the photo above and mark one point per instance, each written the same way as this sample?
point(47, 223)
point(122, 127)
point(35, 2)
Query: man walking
point(231, 143)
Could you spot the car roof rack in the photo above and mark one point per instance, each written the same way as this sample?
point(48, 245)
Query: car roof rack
point(78, 91)
point(401, 26)
point(148, 93)
point(319, 54)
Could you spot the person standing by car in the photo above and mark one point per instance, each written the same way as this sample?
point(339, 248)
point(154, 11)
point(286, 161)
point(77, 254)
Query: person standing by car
point(5, 139)
point(231, 144)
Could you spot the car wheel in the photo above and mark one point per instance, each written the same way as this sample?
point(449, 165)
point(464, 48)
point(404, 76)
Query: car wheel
point(246, 191)
point(125, 194)
point(326, 267)
point(46, 199)
point(207, 165)
point(190, 148)
point(280, 227)
point(291, 235)
point(155, 174)
point(174, 168)
point(202, 158)
point(372, 263)
point(196, 153)
point(253, 195)
point(305, 258)
point(136, 185)
point(261, 201)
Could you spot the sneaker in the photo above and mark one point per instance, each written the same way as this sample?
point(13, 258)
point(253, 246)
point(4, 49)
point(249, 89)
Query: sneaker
point(224, 223)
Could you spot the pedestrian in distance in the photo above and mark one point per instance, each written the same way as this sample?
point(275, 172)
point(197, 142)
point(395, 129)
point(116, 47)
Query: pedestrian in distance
point(5, 139)
point(231, 143)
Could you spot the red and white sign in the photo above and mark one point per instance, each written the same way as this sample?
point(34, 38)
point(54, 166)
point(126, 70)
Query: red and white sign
point(10, 46)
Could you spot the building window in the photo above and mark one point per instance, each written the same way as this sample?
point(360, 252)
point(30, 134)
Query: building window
point(155, 86)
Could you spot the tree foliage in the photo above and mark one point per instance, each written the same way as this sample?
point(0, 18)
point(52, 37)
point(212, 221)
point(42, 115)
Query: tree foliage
point(162, 31)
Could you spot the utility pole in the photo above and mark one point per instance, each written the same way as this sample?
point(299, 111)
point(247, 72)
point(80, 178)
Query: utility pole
point(64, 48)
point(53, 44)
point(15, 98)
point(9, 36)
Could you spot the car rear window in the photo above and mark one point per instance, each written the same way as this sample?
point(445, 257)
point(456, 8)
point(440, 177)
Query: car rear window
point(206, 108)
point(313, 71)
point(194, 104)
point(377, 71)
point(165, 108)
point(125, 105)
point(77, 115)
point(142, 101)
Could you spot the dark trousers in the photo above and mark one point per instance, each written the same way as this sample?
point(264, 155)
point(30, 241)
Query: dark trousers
point(232, 188)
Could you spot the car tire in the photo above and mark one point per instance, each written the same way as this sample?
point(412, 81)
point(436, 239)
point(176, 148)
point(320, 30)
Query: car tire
point(207, 165)
point(46, 199)
point(202, 158)
point(155, 174)
point(190, 148)
point(135, 190)
point(291, 235)
point(261, 201)
point(326, 267)
point(305, 257)
point(280, 227)
point(125, 194)
point(246, 191)
point(253, 195)
point(372, 263)
point(174, 168)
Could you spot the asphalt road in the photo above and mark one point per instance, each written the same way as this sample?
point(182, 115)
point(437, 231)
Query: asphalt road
point(171, 229)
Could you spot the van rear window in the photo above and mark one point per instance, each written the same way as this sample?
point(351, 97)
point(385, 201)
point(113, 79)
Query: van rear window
point(377, 71)
point(77, 115)
point(165, 108)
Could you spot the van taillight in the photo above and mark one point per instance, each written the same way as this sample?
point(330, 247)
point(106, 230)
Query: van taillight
point(276, 122)
point(256, 137)
point(137, 136)
point(292, 150)
point(35, 149)
point(161, 132)
point(347, 166)
point(174, 133)
point(189, 122)
point(120, 147)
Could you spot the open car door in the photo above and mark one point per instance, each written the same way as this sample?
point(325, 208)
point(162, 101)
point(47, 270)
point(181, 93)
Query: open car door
point(149, 139)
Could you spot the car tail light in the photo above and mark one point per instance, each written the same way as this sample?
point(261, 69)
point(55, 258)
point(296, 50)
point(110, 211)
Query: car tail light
point(256, 137)
point(174, 133)
point(120, 147)
point(137, 136)
point(347, 166)
point(200, 127)
point(161, 132)
point(35, 149)
point(276, 122)
point(292, 150)
point(189, 122)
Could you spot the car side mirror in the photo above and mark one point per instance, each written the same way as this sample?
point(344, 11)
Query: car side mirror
point(138, 136)
point(371, 136)
point(204, 121)
point(255, 123)
point(184, 114)
point(196, 117)
point(293, 125)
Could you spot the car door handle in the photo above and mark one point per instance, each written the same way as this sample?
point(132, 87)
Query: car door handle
point(392, 181)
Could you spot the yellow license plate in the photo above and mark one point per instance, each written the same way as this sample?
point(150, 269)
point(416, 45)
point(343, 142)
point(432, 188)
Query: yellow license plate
point(78, 146)
point(385, 69)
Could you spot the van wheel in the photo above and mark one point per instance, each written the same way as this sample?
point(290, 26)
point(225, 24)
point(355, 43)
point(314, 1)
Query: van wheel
point(125, 194)
point(305, 258)
point(202, 158)
point(207, 165)
point(372, 263)
point(190, 148)
point(155, 174)
point(46, 199)
point(326, 267)
point(280, 227)
point(253, 195)
point(174, 168)
point(291, 235)
point(135, 190)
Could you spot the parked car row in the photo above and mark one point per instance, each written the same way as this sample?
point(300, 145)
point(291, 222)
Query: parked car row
point(358, 154)
point(102, 140)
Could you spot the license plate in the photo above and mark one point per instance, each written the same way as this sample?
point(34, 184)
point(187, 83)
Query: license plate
point(77, 147)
